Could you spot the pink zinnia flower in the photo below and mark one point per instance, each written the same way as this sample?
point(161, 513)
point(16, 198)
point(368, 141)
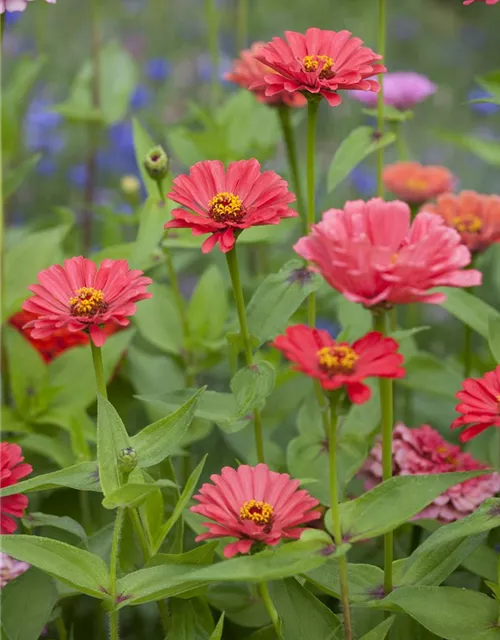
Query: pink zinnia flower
point(10, 569)
point(487, 1)
point(248, 73)
point(371, 253)
point(402, 90)
point(479, 404)
point(423, 451)
point(226, 202)
point(82, 297)
point(415, 183)
point(253, 504)
point(338, 364)
point(12, 469)
point(17, 5)
point(320, 62)
point(474, 216)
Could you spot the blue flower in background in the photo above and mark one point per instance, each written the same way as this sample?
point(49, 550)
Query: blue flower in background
point(158, 69)
point(11, 17)
point(204, 67)
point(41, 128)
point(482, 108)
point(77, 175)
point(364, 181)
point(120, 155)
point(140, 98)
point(333, 328)
point(46, 167)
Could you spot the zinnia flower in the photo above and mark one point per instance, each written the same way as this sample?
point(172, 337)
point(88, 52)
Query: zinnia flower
point(402, 90)
point(423, 451)
point(320, 62)
point(487, 1)
point(416, 183)
point(248, 73)
point(225, 203)
point(17, 5)
point(10, 569)
point(337, 364)
point(479, 404)
point(12, 469)
point(369, 252)
point(254, 505)
point(82, 297)
point(474, 216)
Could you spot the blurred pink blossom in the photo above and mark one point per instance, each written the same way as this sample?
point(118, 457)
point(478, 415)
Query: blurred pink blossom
point(10, 568)
point(402, 90)
point(17, 5)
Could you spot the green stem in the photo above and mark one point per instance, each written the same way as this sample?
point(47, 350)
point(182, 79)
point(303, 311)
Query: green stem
point(113, 568)
point(468, 332)
point(213, 48)
point(337, 529)
point(312, 118)
point(401, 146)
point(242, 24)
point(61, 629)
point(386, 425)
point(4, 362)
point(234, 272)
point(291, 153)
point(270, 608)
point(416, 537)
point(98, 369)
point(382, 18)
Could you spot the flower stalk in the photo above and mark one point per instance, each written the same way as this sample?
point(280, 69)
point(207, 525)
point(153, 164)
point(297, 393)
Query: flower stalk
point(382, 19)
point(291, 153)
point(270, 608)
point(312, 119)
point(113, 568)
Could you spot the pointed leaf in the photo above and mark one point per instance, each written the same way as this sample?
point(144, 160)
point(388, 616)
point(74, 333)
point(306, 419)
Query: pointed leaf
point(35, 519)
point(83, 476)
point(217, 632)
point(158, 321)
point(365, 580)
point(132, 494)
point(208, 308)
point(380, 631)
point(112, 437)
point(143, 143)
point(494, 337)
point(252, 385)
point(469, 309)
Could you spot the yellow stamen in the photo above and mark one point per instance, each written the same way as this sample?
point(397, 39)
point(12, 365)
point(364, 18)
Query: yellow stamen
point(311, 63)
point(467, 223)
point(259, 512)
point(87, 302)
point(417, 184)
point(225, 207)
point(340, 358)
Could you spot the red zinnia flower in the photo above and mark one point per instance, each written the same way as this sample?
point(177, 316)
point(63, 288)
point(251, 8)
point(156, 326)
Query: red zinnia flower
point(423, 451)
point(416, 183)
point(369, 252)
point(80, 297)
point(253, 504)
point(474, 216)
point(248, 73)
point(11, 470)
point(225, 203)
point(335, 364)
point(480, 404)
point(319, 62)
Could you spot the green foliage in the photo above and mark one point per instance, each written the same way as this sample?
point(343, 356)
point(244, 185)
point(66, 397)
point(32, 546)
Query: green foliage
point(494, 336)
point(380, 631)
point(158, 321)
point(470, 310)
point(133, 494)
point(146, 249)
point(364, 580)
point(252, 385)
point(112, 437)
point(83, 476)
point(191, 619)
point(208, 310)
point(64, 523)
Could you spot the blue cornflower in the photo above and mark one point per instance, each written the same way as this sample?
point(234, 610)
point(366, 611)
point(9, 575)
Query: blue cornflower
point(482, 108)
point(364, 181)
point(158, 69)
point(140, 98)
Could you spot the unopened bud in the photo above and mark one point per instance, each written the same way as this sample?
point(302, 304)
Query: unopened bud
point(127, 459)
point(156, 163)
point(130, 185)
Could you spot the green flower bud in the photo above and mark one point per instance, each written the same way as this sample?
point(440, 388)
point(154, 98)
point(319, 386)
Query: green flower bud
point(127, 460)
point(130, 185)
point(156, 163)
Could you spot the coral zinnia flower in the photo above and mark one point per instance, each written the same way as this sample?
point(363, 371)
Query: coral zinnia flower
point(248, 73)
point(423, 451)
point(474, 216)
point(320, 62)
point(487, 1)
point(369, 252)
point(402, 90)
point(253, 504)
point(416, 183)
point(225, 203)
point(479, 404)
point(11, 470)
point(82, 297)
point(338, 364)
point(17, 5)
point(10, 569)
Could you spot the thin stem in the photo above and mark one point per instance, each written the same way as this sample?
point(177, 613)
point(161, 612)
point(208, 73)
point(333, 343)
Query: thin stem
point(468, 332)
point(98, 369)
point(337, 529)
point(234, 272)
point(386, 425)
point(4, 364)
point(213, 48)
point(312, 118)
point(291, 153)
point(113, 568)
point(61, 629)
point(382, 18)
point(242, 24)
point(401, 146)
point(270, 608)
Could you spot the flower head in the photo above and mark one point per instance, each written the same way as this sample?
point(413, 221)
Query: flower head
point(402, 90)
point(416, 183)
point(320, 62)
point(248, 73)
point(371, 254)
point(226, 202)
point(12, 469)
point(424, 451)
point(10, 569)
point(17, 5)
point(479, 404)
point(82, 297)
point(474, 216)
point(487, 1)
point(338, 364)
point(253, 504)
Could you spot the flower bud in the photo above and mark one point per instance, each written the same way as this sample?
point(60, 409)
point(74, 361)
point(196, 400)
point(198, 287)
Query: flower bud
point(156, 163)
point(130, 185)
point(127, 460)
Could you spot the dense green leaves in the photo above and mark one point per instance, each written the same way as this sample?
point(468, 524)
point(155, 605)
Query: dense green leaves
point(252, 385)
point(112, 437)
point(470, 309)
point(208, 308)
point(158, 321)
point(365, 580)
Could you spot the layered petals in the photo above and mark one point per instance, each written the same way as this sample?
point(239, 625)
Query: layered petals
point(402, 90)
point(415, 183)
point(479, 405)
point(12, 469)
point(10, 569)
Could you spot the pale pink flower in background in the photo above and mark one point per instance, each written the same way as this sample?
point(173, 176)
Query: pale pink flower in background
point(10, 568)
point(402, 90)
point(17, 5)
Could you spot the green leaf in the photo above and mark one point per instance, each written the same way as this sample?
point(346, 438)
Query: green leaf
point(380, 631)
point(490, 82)
point(112, 437)
point(365, 580)
point(469, 309)
point(450, 613)
point(354, 319)
point(494, 337)
point(189, 620)
point(36, 519)
point(486, 150)
point(15, 177)
point(209, 307)
point(48, 447)
point(143, 143)
point(81, 569)
point(391, 114)
point(152, 217)
point(27, 604)
point(182, 503)
point(83, 476)
point(302, 615)
point(425, 372)
point(359, 144)
point(252, 385)
point(132, 494)
point(278, 298)
point(217, 632)
point(158, 321)
point(393, 502)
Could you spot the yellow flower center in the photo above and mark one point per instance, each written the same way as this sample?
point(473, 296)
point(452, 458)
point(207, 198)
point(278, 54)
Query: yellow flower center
point(417, 184)
point(259, 512)
point(226, 207)
point(87, 302)
point(312, 63)
point(337, 359)
point(467, 223)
